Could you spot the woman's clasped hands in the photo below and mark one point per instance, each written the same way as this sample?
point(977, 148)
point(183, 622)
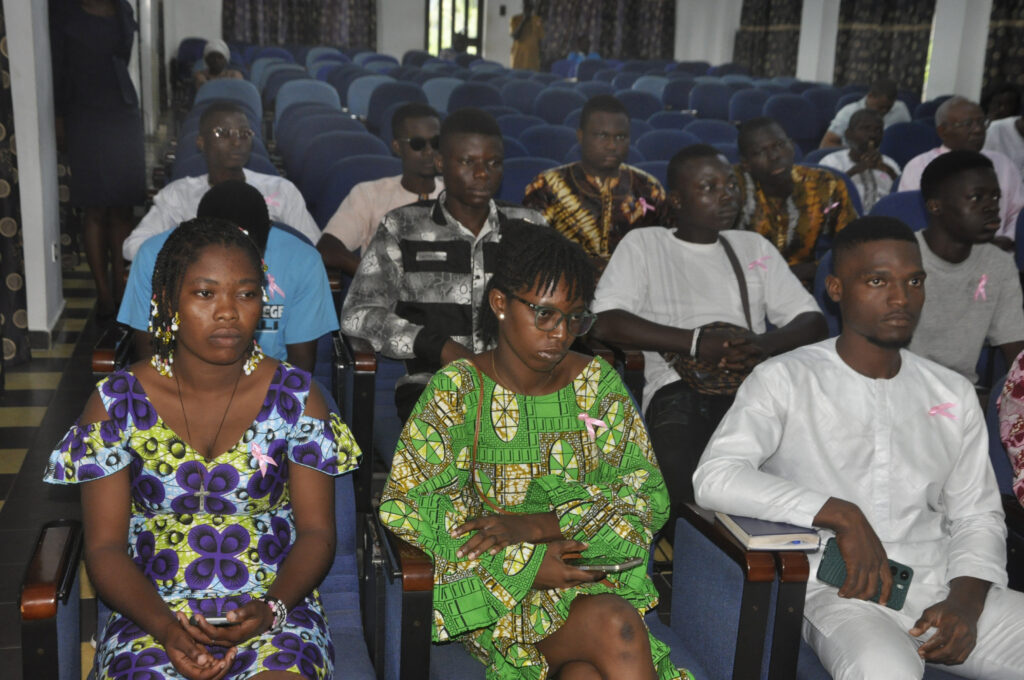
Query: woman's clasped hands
point(186, 640)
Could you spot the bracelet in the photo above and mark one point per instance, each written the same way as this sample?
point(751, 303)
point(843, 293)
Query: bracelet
point(280, 612)
point(695, 341)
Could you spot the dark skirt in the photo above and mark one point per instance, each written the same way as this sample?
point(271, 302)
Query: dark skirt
point(106, 156)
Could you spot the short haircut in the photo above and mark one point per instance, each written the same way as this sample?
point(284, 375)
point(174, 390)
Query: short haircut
point(470, 121)
point(408, 111)
point(866, 230)
point(861, 114)
point(241, 204)
point(948, 165)
point(218, 107)
point(749, 128)
point(602, 103)
point(884, 87)
point(942, 113)
point(535, 257)
point(692, 152)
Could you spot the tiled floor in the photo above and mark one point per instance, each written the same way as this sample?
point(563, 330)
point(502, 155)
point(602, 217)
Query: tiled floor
point(39, 402)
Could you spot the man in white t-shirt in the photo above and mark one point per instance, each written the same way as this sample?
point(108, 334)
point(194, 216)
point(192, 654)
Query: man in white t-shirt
point(225, 139)
point(662, 285)
point(882, 98)
point(870, 171)
point(1006, 136)
point(415, 130)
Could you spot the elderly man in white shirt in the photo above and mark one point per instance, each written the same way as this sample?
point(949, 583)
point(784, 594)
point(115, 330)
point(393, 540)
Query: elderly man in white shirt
point(888, 452)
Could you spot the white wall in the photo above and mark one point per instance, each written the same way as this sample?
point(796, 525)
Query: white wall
point(401, 26)
point(960, 29)
point(187, 19)
point(706, 29)
point(819, 27)
point(28, 44)
point(497, 40)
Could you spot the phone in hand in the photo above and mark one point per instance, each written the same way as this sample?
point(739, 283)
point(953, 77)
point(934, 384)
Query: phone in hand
point(604, 563)
point(212, 620)
point(832, 570)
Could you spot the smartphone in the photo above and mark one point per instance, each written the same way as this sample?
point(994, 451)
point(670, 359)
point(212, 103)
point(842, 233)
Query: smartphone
point(212, 620)
point(604, 563)
point(832, 570)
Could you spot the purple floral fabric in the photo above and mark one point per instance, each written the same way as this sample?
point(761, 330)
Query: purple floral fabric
point(209, 534)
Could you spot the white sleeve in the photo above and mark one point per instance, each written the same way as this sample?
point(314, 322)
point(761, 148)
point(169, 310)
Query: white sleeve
point(292, 211)
point(351, 222)
point(910, 180)
point(728, 477)
point(166, 214)
point(623, 284)
point(784, 296)
point(974, 511)
point(1013, 198)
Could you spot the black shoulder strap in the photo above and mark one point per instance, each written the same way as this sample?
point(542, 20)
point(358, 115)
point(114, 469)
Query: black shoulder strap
point(740, 278)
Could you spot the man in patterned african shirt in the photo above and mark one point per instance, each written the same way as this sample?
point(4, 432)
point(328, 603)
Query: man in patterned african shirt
point(797, 208)
point(417, 291)
point(599, 198)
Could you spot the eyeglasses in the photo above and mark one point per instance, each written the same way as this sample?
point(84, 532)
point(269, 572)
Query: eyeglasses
point(972, 122)
point(548, 318)
point(233, 133)
point(420, 143)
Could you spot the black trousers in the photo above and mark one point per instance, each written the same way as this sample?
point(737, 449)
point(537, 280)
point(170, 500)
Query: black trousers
point(681, 422)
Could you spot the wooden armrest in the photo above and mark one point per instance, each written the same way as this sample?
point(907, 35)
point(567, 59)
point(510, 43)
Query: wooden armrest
point(414, 566)
point(758, 565)
point(112, 347)
point(51, 571)
point(364, 359)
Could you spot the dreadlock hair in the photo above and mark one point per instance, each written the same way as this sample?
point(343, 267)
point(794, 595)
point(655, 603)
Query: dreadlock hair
point(538, 258)
point(183, 248)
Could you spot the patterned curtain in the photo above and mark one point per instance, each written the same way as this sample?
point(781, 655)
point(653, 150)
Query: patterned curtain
point(1004, 55)
point(882, 39)
point(344, 23)
point(616, 29)
point(768, 37)
point(13, 314)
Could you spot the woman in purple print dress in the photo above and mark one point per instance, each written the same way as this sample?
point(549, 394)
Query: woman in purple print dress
point(215, 464)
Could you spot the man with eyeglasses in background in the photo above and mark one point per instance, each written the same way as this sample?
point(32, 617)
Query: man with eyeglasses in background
point(961, 125)
point(225, 140)
point(417, 292)
point(597, 199)
point(415, 131)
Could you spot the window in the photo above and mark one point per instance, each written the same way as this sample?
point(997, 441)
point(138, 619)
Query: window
point(449, 22)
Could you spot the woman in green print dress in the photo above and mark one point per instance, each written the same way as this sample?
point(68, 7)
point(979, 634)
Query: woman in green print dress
point(206, 483)
point(561, 464)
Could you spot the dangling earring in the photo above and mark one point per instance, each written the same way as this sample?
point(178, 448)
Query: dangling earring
point(163, 365)
point(254, 359)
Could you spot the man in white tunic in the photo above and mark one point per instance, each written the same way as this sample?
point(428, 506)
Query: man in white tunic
point(888, 452)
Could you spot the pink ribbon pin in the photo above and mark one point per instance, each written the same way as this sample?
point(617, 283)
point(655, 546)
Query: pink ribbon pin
point(759, 262)
point(830, 208)
point(979, 292)
point(590, 423)
point(942, 410)
point(262, 458)
point(645, 206)
point(274, 288)
point(272, 200)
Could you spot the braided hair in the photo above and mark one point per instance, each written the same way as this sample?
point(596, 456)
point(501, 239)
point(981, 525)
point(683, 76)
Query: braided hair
point(183, 248)
point(531, 256)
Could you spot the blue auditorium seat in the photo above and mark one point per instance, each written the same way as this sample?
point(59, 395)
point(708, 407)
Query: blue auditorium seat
point(361, 89)
point(711, 100)
point(513, 148)
point(796, 116)
point(661, 145)
point(907, 206)
point(670, 120)
point(903, 141)
point(521, 93)
point(519, 172)
point(625, 79)
point(548, 141)
point(297, 92)
point(639, 103)
point(554, 104)
point(240, 91)
point(345, 174)
point(474, 94)
point(747, 104)
point(327, 148)
point(592, 88)
point(676, 95)
point(512, 125)
point(295, 134)
point(438, 90)
point(588, 67)
point(713, 131)
point(384, 97)
point(659, 169)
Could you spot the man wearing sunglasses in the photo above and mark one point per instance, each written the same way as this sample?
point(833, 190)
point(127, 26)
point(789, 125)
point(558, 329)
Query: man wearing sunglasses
point(416, 295)
point(961, 125)
point(415, 129)
point(225, 140)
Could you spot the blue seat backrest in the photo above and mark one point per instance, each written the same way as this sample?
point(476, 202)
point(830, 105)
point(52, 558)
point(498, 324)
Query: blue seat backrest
point(996, 452)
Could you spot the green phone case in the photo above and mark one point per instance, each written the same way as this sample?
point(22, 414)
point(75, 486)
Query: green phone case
point(832, 570)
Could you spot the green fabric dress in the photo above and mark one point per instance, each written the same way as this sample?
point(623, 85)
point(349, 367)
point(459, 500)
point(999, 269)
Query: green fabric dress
point(535, 455)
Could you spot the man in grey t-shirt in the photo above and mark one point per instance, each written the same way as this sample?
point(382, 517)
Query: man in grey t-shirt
point(973, 288)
